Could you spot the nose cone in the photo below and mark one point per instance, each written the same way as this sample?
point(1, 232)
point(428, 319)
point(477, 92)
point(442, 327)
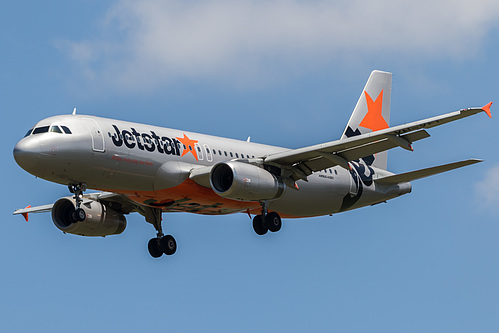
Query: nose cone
point(27, 153)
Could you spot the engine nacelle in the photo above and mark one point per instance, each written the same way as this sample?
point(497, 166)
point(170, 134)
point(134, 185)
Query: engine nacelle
point(244, 182)
point(100, 221)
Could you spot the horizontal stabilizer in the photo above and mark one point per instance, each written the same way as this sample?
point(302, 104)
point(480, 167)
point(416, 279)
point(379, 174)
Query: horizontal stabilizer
point(418, 174)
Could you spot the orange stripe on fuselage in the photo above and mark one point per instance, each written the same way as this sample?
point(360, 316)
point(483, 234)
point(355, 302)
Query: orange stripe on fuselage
point(189, 197)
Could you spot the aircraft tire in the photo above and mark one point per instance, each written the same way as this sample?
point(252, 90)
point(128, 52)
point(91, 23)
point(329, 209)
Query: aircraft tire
point(154, 248)
point(80, 215)
point(273, 222)
point(168, 245)
point(258, 225)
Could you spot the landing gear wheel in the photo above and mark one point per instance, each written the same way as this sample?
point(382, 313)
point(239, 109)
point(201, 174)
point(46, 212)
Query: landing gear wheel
point(154, 248)
point(168, 245)
point(273, 221)
point(79, 215)
point(258, 225)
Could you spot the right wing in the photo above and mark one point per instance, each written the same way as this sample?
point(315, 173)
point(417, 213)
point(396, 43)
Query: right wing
point(118, 201)
point(301, 162)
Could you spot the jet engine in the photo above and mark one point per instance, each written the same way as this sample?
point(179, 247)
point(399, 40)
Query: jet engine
point(244, 182)
point(100, 220)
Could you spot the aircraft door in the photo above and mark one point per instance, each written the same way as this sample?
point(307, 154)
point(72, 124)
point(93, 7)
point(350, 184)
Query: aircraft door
point(209, 157)
point(96, 133)
point(199, 151)
point(354, 183)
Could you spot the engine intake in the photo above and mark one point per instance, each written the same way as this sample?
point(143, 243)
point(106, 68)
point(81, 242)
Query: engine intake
point(101, 220)
point(244, 182)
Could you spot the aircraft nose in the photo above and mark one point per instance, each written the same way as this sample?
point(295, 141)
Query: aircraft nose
point(27, 153)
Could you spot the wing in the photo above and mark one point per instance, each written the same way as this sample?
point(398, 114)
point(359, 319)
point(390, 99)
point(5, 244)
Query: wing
point(118, 202)
point(39, 209)
point(302, 162)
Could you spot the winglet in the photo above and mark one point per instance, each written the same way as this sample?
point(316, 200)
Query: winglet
point(25, 215)
point(486, 108)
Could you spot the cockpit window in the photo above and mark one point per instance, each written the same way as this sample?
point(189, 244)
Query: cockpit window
point(65, 129)
point(55, 129)
point(43, 129)
point(29, 132)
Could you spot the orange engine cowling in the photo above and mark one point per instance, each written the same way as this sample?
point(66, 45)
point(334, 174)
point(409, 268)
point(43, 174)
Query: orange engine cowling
point(100, 219)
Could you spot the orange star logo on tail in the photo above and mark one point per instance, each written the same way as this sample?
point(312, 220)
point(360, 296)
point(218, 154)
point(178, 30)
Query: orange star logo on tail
point(374, 119)
point(188, 146)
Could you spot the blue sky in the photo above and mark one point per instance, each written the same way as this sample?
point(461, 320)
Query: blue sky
point(286, 73)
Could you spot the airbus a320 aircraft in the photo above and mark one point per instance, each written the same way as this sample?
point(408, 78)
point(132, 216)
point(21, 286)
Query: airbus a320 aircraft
point(151, 170)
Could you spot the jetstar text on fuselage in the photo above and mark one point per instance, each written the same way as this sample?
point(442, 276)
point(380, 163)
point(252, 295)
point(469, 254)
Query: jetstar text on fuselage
point(146, 141)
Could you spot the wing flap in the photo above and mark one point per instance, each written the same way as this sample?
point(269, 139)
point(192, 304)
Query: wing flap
point(423, 173)
point(382, 145)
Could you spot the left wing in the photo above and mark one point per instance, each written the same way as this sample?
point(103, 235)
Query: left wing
point(301, 162)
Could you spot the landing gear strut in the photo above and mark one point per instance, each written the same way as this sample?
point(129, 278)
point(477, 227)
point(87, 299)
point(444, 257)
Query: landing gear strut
point(79, 214)
point(266, 221)
point(161, 244)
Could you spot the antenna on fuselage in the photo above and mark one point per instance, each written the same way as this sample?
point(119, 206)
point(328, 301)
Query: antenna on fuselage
point(74, 111)
point(248, 139)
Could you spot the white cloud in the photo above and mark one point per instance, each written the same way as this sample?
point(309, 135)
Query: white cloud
point(155, 41)
point(488, 189)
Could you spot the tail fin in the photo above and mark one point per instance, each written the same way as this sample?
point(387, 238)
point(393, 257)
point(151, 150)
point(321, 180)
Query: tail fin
point(372, 112)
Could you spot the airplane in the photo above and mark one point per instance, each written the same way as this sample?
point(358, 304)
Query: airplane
point(154, 170)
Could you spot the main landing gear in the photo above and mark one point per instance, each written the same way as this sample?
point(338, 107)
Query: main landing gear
point(266, 221)
point(79, 214)
point(161, 244)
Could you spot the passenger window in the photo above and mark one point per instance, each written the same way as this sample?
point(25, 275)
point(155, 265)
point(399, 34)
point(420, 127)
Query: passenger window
point(55, 129)
point(219, 152)
point(231, 154)
point(225, 153)
point(237, 155)
point(39, 130)
point(66, 130)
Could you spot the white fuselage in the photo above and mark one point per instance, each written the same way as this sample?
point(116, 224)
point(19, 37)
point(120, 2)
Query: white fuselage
point(151, 166)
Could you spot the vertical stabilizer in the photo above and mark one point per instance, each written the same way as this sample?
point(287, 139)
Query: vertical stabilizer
point(372, 112)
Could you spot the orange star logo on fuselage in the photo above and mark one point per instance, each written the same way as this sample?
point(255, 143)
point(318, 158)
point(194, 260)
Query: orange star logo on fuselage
point(189, 146)
point(374, 119)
